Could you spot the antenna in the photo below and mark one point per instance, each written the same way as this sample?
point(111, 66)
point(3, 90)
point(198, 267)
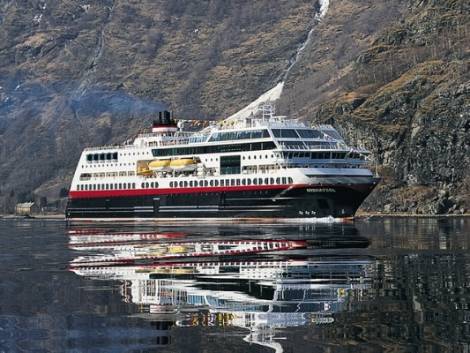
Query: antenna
point(267, 110)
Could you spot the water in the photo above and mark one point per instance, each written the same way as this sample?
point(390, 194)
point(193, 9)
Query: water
point(384, 285)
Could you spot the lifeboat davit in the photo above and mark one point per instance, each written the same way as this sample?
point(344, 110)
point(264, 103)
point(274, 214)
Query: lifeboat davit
point(159, 164)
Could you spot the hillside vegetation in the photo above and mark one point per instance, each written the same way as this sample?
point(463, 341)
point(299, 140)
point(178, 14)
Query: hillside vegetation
point(391, 75)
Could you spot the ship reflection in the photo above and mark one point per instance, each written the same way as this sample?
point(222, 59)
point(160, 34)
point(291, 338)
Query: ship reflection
point(263, 281)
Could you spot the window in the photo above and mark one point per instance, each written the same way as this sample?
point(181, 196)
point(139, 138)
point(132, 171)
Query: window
point(181, 184)
point(284, 180)
point(285, 133)
point(185, 183)
point(230, 165)
point(278, 181)
point(191, 183)
point(260, 181)
point(85, 176)
point(238, 182)
point(271, 181)
point(206, 183)
point(309, 134)
point(291, 181)
point(255, 181)
point(248, 182)
point(294, 145)
point(211, 183)
point(266, 181)
point(201, 183)
point(216, 182)
point(222, 182)
point(232, 182)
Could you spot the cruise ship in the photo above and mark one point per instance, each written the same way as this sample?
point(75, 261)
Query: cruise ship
point(259, 167)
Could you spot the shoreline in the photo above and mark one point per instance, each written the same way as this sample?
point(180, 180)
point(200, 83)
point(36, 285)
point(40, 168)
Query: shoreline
point(359, 216)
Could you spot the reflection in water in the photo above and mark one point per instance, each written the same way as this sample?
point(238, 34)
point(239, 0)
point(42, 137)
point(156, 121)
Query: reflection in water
point(382, 285)
point(261, 285)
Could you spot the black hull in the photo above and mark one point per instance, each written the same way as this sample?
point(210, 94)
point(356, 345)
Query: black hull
point(300, 202)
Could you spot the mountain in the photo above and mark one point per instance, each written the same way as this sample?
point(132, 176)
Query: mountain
point(391, 75)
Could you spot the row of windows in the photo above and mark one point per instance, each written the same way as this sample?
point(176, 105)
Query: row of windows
point(115, 186)
point(99, 165)
point(88, 176)
point(299, 145)
point(239, 135)
point(306, 133)
point(101, 157)
point(232, 182)
point(241, 147)
point(322, 155)
point(295, 134)
point(151, 185)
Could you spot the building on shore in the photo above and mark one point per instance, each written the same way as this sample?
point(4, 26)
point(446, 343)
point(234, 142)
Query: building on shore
point(26, 209)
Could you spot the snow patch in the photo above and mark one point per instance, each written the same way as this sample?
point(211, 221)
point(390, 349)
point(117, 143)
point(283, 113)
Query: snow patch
point(270, 96)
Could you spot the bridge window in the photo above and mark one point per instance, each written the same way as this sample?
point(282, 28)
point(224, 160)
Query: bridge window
point(285, 133)
point(309, 134)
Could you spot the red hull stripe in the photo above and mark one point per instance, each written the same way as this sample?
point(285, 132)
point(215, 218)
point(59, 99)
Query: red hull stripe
point(150, 192)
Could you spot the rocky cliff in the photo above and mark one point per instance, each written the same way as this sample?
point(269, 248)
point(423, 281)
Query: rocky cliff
point(392, 75)
point(395, 78)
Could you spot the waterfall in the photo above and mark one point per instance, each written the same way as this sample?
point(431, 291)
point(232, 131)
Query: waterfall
point(275, 93)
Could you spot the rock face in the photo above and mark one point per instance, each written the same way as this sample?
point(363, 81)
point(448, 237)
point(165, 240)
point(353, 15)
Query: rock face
point(391, 75)
point(74, 74)
point(400, 88)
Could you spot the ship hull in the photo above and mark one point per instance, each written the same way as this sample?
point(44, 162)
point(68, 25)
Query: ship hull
point(275, 202)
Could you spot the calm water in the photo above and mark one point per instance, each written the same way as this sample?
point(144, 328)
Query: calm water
point(388, 285)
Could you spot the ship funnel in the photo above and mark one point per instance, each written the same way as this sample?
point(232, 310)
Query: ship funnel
point(165, 123)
